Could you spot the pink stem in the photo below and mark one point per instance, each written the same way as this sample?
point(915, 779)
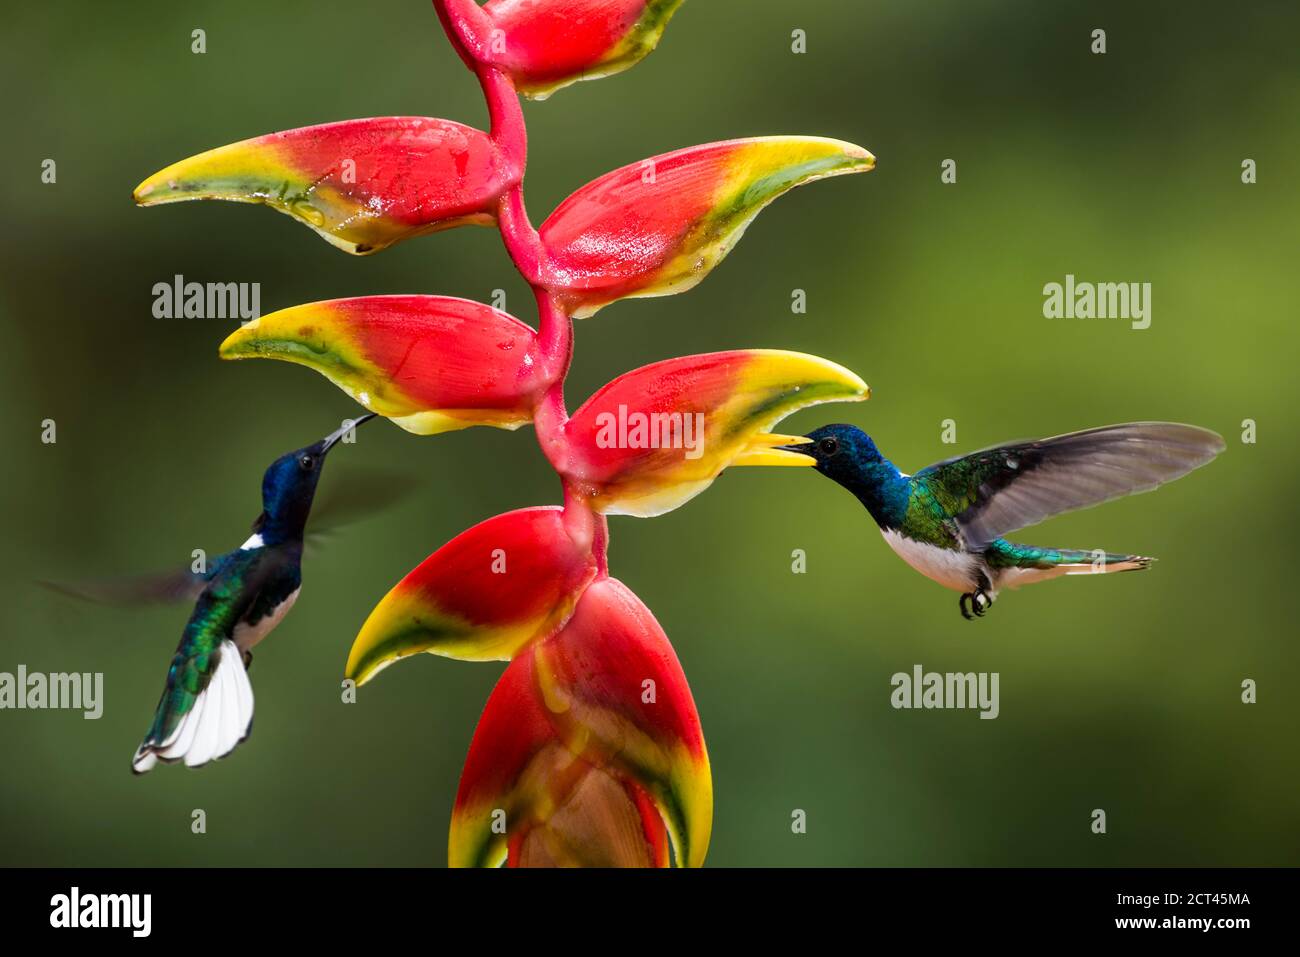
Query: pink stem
point(555, 343)
point(555, 328)
point(506, 117)
point(510, 135)
point(521, 240)
point(587, 527)
point(468, 27)
point(555, 334)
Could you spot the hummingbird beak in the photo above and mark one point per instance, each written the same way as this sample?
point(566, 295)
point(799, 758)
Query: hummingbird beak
point(332, 439)
point(767, 451)
point(796, 450)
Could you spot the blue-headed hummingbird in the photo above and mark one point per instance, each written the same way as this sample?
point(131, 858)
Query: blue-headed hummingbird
point(206, 708)
point(947, 520)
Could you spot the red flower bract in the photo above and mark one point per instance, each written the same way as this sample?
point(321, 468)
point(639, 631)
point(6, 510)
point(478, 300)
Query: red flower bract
point(361, 184)
point(482, 596)
point(590, 746)
point(430, 363)
point(658, 226)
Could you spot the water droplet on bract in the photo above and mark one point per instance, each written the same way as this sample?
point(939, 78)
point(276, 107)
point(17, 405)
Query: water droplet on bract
point(310, 213)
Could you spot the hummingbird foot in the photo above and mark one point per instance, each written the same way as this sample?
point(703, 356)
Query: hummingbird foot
point(980, 602)
point(248, 659)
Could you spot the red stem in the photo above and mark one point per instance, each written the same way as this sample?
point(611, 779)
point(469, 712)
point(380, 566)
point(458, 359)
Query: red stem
point(470, 29)
point(510, 134)
point(521, 240)
point(555, 343)
point(587, 527)
point(506, 119)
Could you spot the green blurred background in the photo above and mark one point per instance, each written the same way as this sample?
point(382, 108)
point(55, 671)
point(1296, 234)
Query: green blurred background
point(1122, 694)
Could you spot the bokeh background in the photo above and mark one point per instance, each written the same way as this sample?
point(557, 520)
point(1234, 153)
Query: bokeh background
point(1122, 693)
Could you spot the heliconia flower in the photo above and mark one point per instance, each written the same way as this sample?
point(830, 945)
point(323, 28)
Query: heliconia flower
point(657, 227)
point(481, 597)
point(589, 751)
point(430, 363)
point(361, 184)
point(547, 44)
point(657, 436)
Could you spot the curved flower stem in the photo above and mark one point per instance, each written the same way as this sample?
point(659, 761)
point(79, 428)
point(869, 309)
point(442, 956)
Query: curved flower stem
point(468, 27)
point(555, 328)
point(555, 337)
point(510, 134)
point(506, 118)
point(520, 238)
point(587, 527)
point(555, 343)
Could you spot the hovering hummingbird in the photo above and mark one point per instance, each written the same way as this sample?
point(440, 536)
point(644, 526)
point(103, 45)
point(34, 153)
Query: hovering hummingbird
point(947, 520)
point(206, 708)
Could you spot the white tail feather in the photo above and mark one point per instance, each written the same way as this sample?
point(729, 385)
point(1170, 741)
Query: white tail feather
point(220, 719)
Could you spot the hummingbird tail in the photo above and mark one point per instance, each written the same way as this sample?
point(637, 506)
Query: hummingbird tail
point(220, 717)
point(1017, 565)
point(1080, 562)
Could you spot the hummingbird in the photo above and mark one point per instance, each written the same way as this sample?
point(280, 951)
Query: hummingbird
point(947, 520)
point(206, 708)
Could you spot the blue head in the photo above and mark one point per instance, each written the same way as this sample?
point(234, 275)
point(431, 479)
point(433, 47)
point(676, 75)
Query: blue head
point(289, 486)
point(847, 455)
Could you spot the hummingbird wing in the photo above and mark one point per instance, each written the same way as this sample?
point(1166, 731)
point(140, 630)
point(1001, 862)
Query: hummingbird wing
point(1006, 487)
point(159, 587)
point(356, 493)
point(149, 589)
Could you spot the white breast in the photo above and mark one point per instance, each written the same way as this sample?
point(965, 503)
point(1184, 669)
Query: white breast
point(949, 567)
point(246, 636)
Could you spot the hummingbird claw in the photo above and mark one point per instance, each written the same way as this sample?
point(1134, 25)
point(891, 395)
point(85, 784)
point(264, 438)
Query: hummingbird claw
point(980, 602)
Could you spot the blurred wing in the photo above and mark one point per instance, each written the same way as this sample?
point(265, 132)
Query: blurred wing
point(157, 588)
point(355, 494)
point(1001, 489)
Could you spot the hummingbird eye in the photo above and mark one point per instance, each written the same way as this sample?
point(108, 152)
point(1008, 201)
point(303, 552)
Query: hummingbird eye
point(828, 446)
point(307, 462)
